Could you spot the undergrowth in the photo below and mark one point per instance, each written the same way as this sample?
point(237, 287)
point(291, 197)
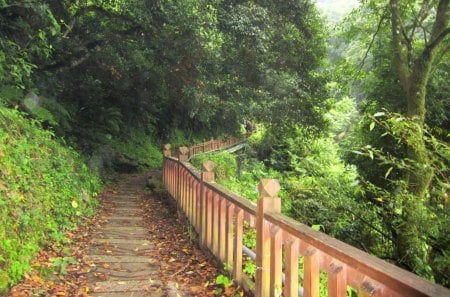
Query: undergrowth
point(140, 147)
point(45, 189)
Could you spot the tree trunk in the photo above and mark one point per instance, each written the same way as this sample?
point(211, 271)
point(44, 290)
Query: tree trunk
point(412, 250)
point(411, 244)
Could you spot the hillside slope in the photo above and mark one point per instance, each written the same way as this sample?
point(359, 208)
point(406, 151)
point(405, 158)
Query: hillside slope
point(45, 189)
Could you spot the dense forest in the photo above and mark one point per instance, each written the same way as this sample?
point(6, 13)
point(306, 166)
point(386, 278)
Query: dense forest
point(352, 112)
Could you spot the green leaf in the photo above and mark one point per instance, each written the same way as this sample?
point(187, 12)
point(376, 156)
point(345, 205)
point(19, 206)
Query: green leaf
point(223, 280)
point(372, 125)
point(388, 172)
point(316, 227)
point(379, 114)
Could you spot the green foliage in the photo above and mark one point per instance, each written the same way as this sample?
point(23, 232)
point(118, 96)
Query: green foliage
point(250, 267)
point(223, 280)
point(225, 164)
point(45, 188)
point(178, 139)
point(60, 264)
point(429, 215)
point(249, 237)
point(139, 147)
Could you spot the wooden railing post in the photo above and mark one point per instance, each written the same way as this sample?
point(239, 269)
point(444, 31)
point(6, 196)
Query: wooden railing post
point(182, 157)
point(205, 216)
point(167, 152)
point(183, 154)
point(267, 202)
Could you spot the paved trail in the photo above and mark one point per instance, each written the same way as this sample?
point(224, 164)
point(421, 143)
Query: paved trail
point(123, 260)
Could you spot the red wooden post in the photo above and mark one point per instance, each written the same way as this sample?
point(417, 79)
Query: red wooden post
point(222, 228)
point(190, 197)
point(183, 154)
point(276, 262)
point(367, 289)
point(311, 273)
point(291, 270)
point(337, 286)
point(198, 210)
point(167, 152)
point(182, 157)
point(209, 218)
point(215, 224)
point(267, 202)
point(237, 245)
point(207, 176)
point(229, 236)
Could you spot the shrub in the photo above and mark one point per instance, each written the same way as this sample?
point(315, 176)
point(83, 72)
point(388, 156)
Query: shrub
point(138, 146)
point(225, 164)
point(45, 188)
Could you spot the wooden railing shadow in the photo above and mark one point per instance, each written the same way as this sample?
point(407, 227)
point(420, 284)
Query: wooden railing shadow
point(218, 217)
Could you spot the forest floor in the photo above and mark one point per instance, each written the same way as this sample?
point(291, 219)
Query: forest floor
point(157, 255)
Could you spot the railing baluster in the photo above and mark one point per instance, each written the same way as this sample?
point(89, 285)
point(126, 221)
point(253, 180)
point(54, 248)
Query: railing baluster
point(207, 176)
point(291, 270)
point(198, 209)
point(276, 246)
point(215, 228)
point(229, 234)
point(222, 228)
point(209, 219)
point(337, 286)
point(237, 249)
point(312, 273)
point(184, 189)
point(181, 187)
point(190, 197)
point(367, 289)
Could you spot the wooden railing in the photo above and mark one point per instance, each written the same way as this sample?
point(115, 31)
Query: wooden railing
point(208, 146)
point(218, 217)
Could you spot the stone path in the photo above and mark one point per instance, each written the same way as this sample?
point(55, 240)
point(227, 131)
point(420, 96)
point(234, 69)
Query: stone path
point(120, 254)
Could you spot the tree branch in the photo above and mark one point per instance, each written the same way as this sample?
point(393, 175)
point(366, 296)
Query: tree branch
point(400, 54)
point(420, 17)
point(366, 54)
point(98, 9)
point(440, 29)
point(442, 17)
point(434, 43)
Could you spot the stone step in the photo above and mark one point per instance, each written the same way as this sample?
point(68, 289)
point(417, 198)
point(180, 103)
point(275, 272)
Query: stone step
point(121, 249)
point(157, 292)
point(127, 211)
point(121, 234)
point(120, 259)
point(141, 242)
point(127, 286)
point(123, 221)
point(125, 196)
point(113, 231)
point(131, 218)
point(120, 202)
point(129, 229)
point(121, 271)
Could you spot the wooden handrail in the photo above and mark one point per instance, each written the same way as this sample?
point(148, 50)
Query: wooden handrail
point(218, 216)
point(205, 147)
